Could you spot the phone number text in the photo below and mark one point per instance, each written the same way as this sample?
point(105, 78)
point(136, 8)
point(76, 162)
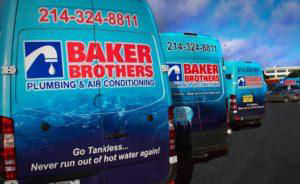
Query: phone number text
point(194, 47)
point(88, 17)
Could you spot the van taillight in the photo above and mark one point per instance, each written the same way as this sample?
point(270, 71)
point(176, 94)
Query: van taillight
point(8, 168)
point(266, 104)
point(173, 157)
point(227, 116)
point(233, 104)
point(171, 182)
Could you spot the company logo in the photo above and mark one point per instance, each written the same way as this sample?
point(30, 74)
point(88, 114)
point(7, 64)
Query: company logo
point(250, 81)
point(43, 59)
point(118, 64)
point(241, 81)
point(175, 72)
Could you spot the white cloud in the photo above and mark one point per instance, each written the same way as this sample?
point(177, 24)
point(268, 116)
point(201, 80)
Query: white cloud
point(234, 10)
point(273, 29)
point(284, 21)
point(247, 49)
point(270, 2)
point(234, 46)
point(175, 10)
point(192, 7)
point(288, 12)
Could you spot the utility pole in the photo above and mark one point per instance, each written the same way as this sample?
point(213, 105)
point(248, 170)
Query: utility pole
point(225, 58)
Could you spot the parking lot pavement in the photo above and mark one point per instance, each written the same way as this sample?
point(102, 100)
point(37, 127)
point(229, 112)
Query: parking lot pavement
point(269, 154)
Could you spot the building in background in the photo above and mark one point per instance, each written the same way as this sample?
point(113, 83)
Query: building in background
point(274, 75)
point(277, 73)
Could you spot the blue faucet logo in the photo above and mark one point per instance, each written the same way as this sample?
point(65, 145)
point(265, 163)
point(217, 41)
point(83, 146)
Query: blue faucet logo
point(241, 81)
point(175, 72)
point(43, 60)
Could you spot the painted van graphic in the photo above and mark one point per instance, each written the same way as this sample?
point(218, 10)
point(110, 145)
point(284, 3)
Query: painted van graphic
point(241, 81)
point(110, 60)
point(90, 101)
point(193, 75)
point(175, 72)
point(249, 81)
point(183, 116)
point(119, 64)
point(43, 60)
point(196, 81)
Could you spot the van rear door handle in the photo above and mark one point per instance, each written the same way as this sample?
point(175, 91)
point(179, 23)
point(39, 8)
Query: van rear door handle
point(118, 135)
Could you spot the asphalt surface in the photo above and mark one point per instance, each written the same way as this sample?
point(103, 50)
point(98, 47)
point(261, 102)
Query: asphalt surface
point(269, 154)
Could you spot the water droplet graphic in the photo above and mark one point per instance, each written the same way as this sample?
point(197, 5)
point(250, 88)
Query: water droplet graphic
point(177, 78)
point(51, 69)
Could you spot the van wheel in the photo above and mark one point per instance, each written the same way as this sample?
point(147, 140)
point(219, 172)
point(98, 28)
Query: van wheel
point(234, 126)
point(286, 100)
point(256, 124)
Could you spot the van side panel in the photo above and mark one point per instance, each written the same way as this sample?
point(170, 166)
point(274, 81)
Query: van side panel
point(8, 11)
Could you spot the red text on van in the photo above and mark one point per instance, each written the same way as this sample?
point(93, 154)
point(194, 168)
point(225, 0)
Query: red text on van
point(201, 73)
point(112, 60)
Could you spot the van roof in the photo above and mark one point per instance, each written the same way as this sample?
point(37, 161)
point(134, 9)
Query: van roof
point(190, 35)
point(183, 38)
point(242, 63)
point(126, 5)
point(139, 9)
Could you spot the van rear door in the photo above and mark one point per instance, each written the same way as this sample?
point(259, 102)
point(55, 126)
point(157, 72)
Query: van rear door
point(195, 75)
point(54, 112)
point(184, 94)
point(133, 98)
point(212, 101)
point(250, 90)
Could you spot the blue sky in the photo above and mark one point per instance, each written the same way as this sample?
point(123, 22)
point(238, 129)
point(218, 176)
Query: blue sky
point(267, 31)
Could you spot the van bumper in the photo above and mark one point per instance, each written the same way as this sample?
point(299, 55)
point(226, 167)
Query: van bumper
point(94, 177)
point(172, 173)
point(205, 150)
point(203, 143)
point(239, 120)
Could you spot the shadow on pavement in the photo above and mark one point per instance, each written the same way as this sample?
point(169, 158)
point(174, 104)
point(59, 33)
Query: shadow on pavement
point(247, 126)
point(185, 166)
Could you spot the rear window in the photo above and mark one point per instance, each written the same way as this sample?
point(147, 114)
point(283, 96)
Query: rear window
point(228, 76)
